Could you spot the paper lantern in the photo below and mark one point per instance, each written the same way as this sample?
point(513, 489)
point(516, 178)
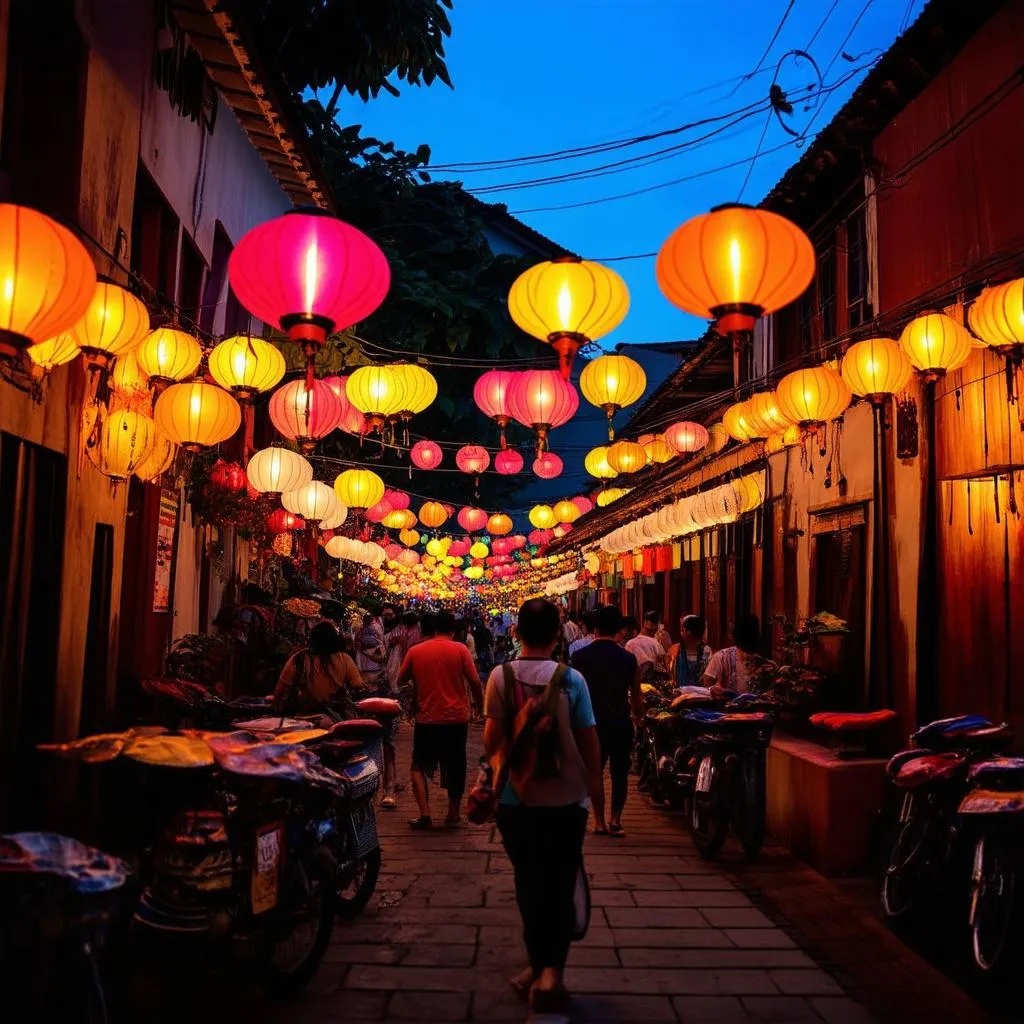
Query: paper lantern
point(750, 491)
point(246, 366)
point(410, 538)
point(479, 550)
point(472, 519)
point(196, 414)
point(283, 521)
point(597, 465)
point(626, 457)
point(333, 520)
point(417, 386)
point(499, 524)
point(583, 503)
point(228, 475)
point(935, 344)
point(408, 558)
point(48, 276)
point(508, 462)
point(159, 460)
point(436, 547)
point(612, 382)
point(400, 519)
point(686, 438)
point(433, 514)
point(473, 572)
point(376, 391)
point(167, 354)
point(568, 302)
point(397, 499)
point(655, 447)
point(352, 420)
point(305, 415)
point(274, 470)
point(610, 494)
point(541, 399)
point(128, 380)
point(542, 516)
point(735, 422)
point(376, 513)
point(426, 455)
point(762, 416)
point(997, 316)
point(313, 501)
point(547, 465)
point(735, 264)
point(123, 441)
point(491, 396)
point(718, 438)
point(566, 512)
point(812, 397)
point(115, 322)
point(472, 458)
point(876, 368)
point(358, 488)
point(48, 355)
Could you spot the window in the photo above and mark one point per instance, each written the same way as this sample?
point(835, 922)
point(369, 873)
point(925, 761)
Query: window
point(155, 232)
point(236, 319)
point(826, 283)
point(190, 293)
point(93, 714)
point(857, 299)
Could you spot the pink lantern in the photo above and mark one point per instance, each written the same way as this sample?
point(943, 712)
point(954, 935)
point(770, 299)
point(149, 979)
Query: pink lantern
point(502, 545)
point(399, 499)
point(541, 399)
point(472, 519)
point(393, 550)
point(376, 513)
point(508, 462)
point(407, 557)
point(562, 529)
point(583, 503)
point(540, 537)
point(459, 548)
point(685, 437)
point(518, 542)
point(425, 454)
point(352, 420)
point(491, 396)
point(547, 465)
point(472, 458)
point(305, 415)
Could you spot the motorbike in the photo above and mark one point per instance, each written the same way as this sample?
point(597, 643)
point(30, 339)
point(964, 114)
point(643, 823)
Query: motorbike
point(932, 778)
point(664, 759)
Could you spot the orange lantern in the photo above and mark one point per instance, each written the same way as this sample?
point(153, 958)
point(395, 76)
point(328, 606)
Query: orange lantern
point(48, 355)
point(734, 420)
point(936, 344)
point(499, 524)
point(566, 511)
point(812, 397)
point(115, 322)
point(123, 442)
point(166, 355)
point(433, 514)
point(626, 457)
point(196, 415)
point(876, 368)
point(656, 447)
point(762, 415)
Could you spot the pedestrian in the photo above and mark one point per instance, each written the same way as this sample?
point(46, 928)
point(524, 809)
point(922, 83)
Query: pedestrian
point(570, 629)
point(613, 678)
point(319, 674)
point(588, 625)
point(649, 654)
point(664, 637)
point(484, 641)
point(693, 655)
point(542, 817)
point(734, 669)
point(440, 670)
point(464, 635)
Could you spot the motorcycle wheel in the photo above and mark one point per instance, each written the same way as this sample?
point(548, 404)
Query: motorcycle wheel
point(749, 803)
point(992, 894)
point(351, 899)
point(901, 881)
point(709, 818)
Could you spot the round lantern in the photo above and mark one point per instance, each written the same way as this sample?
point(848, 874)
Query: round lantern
point(876, 368)
point(128, 380)
point(656, 448)
point(283, 521)
point(115, 322)
point(167, 354)
point(459, 547)
point(566, 511)
point(436, 548)
point(548, 465)
point(735, 422)
point(228, 475)
point(750, 491)
point(417, 387)
point(479, 550)
point(997, 316)
point(397, 499)
point(626, 457)
point(472, 519)
point(378, 512)
point(718, 437)
point(508, 462)
point(433, 514)
point(610, 494)
point(735, 264)
point(400, 519)
point(810, 398)
point(159, 460)
point(685, 437)
point(352, 420)
point(583, 503)
point(426, 455)
point(305, 414)
point(408, 559)
point(334, 519)
point(473, 572)
point(935, 344)
point(275, 470)
point(762, 415)
point(358, 488)
point(124, 440)
point(377, 392)
point(49, 279)
point(196, 415)
point(410, 538)
point(542, 517)
point(499, 524)
point(611, 383)
point(491, 396)
point(541, 399)
point(472, 458)
point(568, 302)
point(597, 465)
point(245, 366)
point(47, 355)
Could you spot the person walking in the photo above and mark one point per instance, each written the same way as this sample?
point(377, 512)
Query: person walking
point(542, 816)
point(440, 670)
point(613, 678)
point(587, 636)
point(319, 673)
point(648, 651)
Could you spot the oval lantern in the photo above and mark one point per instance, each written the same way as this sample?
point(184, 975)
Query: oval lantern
point(115, 322)
point(566, 512)
point(718, 437)
point(376, 391)
point(167, 354)
point(128, 381)
point(472, 458)
point(408, 558)
point(49, 279)
point(508, 462)
point(472, 519)
point(123, 441)
point(547, 465)
point(656, 448)
point(491, 396)
point(417, 386)
point(358, 488)
point(626, 457)
point(936, 344)
point(479, 550)
point(433, 514)
point(400, 519)
point(426, 455)
point(542, 517)
point(762, 415)
point(686, 438)
point(583, 503)
point(612, 382)
point(334, 519)
point(397, 499)
point(305, 415)
point(812, 397)
point(997, 316)
point(48, 355)
point(542, 400)
point(735, 264)
point(159, 460)
point(275, 470)
point(568, 302)
point(196, 415)
point(352, 420)
point(876, 368)
point(473, 572)
point(378, 512)
point(734, 420)
point(750, 491)
point(597, 465)
point(499, 524)
point(246, 366)
point(283, 521)
point(313, 501)
point(228, 475)
point(410, 538)
point(610, 494)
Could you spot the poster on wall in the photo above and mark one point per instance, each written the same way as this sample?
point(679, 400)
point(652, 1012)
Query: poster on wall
point(165, 550)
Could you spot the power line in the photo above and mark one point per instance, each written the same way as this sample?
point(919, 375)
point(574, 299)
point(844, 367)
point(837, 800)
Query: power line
point(757, 153)
point(823, 23)
point(767, 49)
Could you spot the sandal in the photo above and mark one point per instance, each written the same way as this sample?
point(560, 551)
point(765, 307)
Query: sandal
point(389, 803)
point(522, 983)
point(422, 822)
point(617, 831)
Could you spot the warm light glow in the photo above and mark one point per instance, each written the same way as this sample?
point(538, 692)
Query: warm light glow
point(814, 396)
point(508, 462)
point(610, 494)
point(656, 448)
point(358, 488)
point(542, 517)
point(547, 465)
point(472, 458)
point(167, 354)
point(305, 416)
point(685, 437)
point(313, 501)
point(426, 455)
point(479, 550)
point(53, 353)
point(159, 460)
point(541, 398)
point(762, 416)
point(433, 514)
point(566, 512)
point(612, 382)
point(196, 414)
point(376, 391)
point(735, 422)
point(876, 367)
point(115, 322)
point(499, 524)
point(125, 439)
point(472, 519)
point(245, 365)
point(597, 465)
point(275, 470)
point(997, 315)
point(491, 394)
point(936, 344)
point(417, 386)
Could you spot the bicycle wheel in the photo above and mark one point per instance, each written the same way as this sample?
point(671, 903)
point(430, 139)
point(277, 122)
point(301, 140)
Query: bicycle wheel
point(992, 892)
point(709, 808)
point(748, 808)
point(902, 878)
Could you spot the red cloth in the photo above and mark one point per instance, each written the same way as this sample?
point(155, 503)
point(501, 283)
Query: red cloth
point(851, 720)
point(441, 669)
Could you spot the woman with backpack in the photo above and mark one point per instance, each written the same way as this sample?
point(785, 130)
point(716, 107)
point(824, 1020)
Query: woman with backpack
point(540, 725)
point(318, 674)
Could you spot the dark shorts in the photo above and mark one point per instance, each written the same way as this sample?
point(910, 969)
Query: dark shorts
point(442, 746)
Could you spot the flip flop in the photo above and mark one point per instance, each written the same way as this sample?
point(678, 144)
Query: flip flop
point(389, 803)
point(616, 832)
point(422, 822)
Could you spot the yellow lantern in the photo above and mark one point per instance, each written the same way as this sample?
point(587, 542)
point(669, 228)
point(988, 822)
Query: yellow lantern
point(762, 415)
point(124, 439)
point(245, 366)
point(196, 415)
point(417, 386)
point(810, 398)
point(127, 378)
point(115, 322)
point(479, 550)
point(735, 422)
point(936, 344)
point(435, 547)
point(876, 368)
point(566, 512)
point(473, 572)
point(610, 494)
point(567, 302)
point(611, 383)
point(358, 488)
point(428, 561)
point(167, 355)
point(718, 438)
point(542, 517)
point(56, 352)
point(499, 524)
point(400, 519)
point(626, 457)
point(277, 470)
point(410, 538)
point(376, 391)
point(655, 447)
point(596, 463)
point(433, 514)
point(997, 316)
point(159, 460)
point(750, 491)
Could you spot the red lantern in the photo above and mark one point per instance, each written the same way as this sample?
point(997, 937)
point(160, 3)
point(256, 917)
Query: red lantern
point(583, 503)
point(398, 500)
point(508, 462)
point(685, 437)
point(425, 454)
point(518, 542)
point(547, 465)
point(283, 521)
point(393, 550)
point(491, 396)
point(376, 513)
point(472, 458)
point(541, 399)
point(472, 519)
point(305, 415)
point(228, 475)
point(352, 420)
point(459, 548)
point(540, 537)
point(502, 545)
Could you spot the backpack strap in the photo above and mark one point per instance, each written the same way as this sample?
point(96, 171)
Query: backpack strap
point(509, 702)
point(553, 689)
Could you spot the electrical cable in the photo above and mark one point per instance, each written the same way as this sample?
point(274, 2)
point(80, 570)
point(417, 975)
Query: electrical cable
point(767, 49)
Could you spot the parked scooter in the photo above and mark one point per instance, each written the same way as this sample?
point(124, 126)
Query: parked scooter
point(665, 762)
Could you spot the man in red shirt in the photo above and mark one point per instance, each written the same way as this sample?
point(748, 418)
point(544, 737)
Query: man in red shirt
point(440, 670)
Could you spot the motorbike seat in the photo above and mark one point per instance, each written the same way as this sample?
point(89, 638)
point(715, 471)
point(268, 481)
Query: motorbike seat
point(928, 768)
point(340, 751)
point(932, 733)
point(898, 760)
point(379, 707)
point(981, 735)
point(998, 772)
point(362, 729)
point(852, 721)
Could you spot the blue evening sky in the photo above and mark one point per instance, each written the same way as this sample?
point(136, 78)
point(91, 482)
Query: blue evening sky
point(534, 76)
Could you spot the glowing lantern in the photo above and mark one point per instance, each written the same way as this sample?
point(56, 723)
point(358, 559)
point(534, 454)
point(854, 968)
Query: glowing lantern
point(597, 465)
point(115, 322)
point(426, 455)
point(397, 499)
point(499, 524)
point(275, 470)
point(626, 457)
point(785, 439)
point(610, 494)
point(583, 503)
point(997, 316)
point(566, 512)
point(303, 414)
point(472, 458)
point(735, 264)
point(433, 514)
point(508, 462)
point(735, 422)
point(457, 548)
point(159, 460)
point(408, 559)
point(561, 530)
point(491, 396)
point(810, 398)
point(611, 383)
point(935, 344)
point(876, 368)
point(358, 488)
point(685, 437)
point(479, 550)
point(196, 415)
point(410, 538)
point(541, 399)
point(283, 521)
point(377, 392)
point(762, 415)
point(400, 519)
point(718, 437)
point(567, 303)
point(472, 519)
point(352, 420)
point(750, 491)
point(473, 572)
point(128, 380)
point(49, 354)
point(228, 475)
point(245, 366)
point(547, 465)
point(378, 512)
point(542, 516)
point(124, 440)
point(167, 354)
point(656, 447)
point(417, 387)
point(334, 519)
point(435, 548)
point(313, 501)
